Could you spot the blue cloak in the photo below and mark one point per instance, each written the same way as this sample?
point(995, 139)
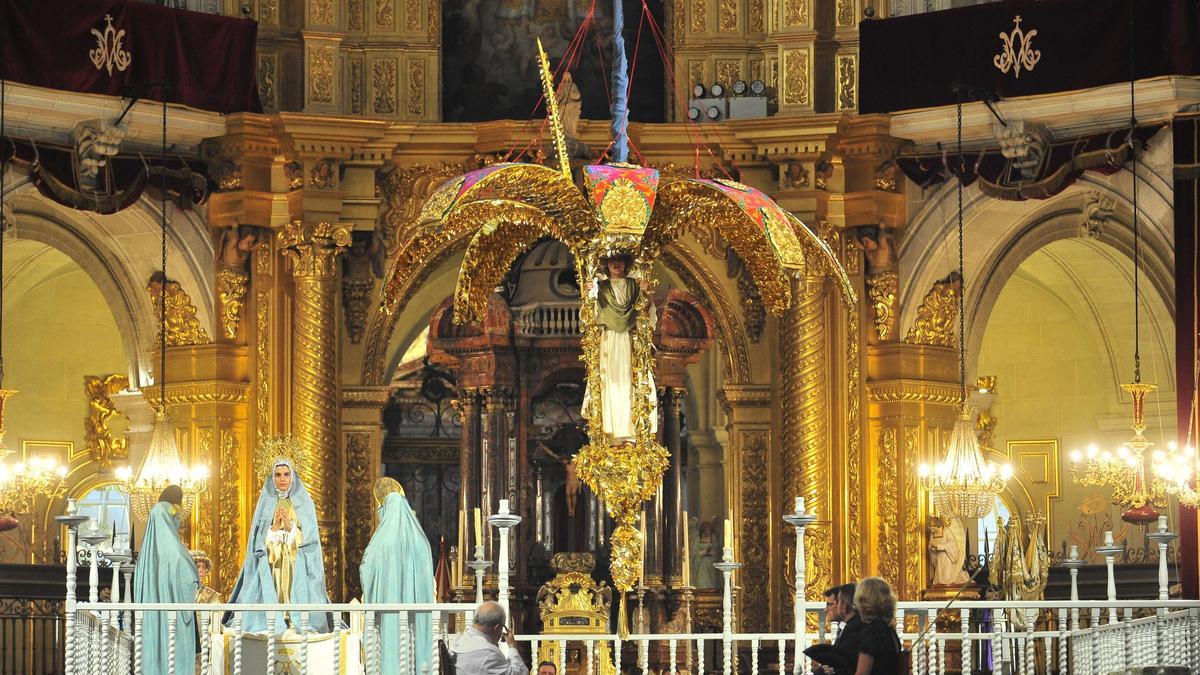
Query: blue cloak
point(398, 567)
point(255, 583)
point(165, 572)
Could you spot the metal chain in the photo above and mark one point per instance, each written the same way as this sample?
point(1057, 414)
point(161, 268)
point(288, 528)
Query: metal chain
point(162, 290)
point(962, 305)
point(1133, 159)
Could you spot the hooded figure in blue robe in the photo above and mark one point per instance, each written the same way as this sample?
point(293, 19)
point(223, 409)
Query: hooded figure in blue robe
point(165, 572)
point(283, 561)
point(397, 567)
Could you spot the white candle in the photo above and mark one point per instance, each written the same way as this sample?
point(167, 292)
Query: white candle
point(1074, 553)
point(504, 506)
point(799, 504)
point(687, 554)
point(1162, 523)
point(1108, 538)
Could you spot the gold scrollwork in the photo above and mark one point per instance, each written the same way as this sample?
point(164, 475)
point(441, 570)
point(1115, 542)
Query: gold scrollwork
point(888, 507)
point(412, 15)
point(266, 80)
point(699, 16)
point(321, 11)
point(354, 14)
point(416, 88)
point(231, 289)
point(727, 18)
point(1016, 50)
point(881, 289)
point(385, 14)
point(262, 364)
point(97, 437)
point(205, 513)
point(755, 14)
point(795, 77)
point(845, 12)
point(229, 546)
point(847, 74)
point(182, 325)
point(796, 13)
point(383, 84)
point(935, 323)
point(320, 74)
point(854, 450)
point(755, 574)
point(914, 534)
point(359, 479)
point(356, 86)
point(109, 51)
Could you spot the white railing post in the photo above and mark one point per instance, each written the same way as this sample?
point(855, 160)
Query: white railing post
point(137, 643)
point(237, 644)
point(799, 520)
point(271, 655)
point(964, 620)
point(1063, 633)
point(172, 620)
point(1094, 642)
point(71, 519)
point(370, 641)
point(727, 566)
point(504, 521)
point(305, 617)
point(1163, 538)
point(204, 642)
point(1030, 625)
point(1110, 550)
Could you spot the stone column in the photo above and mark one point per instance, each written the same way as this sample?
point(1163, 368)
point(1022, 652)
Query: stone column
point(806, 426)
point(312, 249)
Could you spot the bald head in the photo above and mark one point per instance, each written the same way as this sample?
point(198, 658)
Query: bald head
point(489, 615)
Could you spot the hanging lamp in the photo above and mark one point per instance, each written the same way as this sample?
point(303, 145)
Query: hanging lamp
point(963, 484)
point(163, 465)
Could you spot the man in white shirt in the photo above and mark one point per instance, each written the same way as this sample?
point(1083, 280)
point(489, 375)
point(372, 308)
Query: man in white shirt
point(477, 650)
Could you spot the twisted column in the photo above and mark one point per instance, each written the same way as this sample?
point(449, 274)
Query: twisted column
point(312, 249)
point(805, 429)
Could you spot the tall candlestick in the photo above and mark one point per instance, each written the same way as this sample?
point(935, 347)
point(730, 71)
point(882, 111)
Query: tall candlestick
point(687, 552)
point(478, 527)
point(642, 572)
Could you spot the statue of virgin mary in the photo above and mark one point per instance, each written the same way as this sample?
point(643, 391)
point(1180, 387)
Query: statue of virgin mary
point(283, 561)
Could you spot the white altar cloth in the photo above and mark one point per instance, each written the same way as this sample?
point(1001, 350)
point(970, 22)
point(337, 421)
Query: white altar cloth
point(287, 653)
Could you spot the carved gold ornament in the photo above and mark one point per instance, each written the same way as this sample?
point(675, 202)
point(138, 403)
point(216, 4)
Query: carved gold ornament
point(881, 289)
point(109, 52)
point(624, 208)
point(182, 325)
point(1016, 51)
point(231, 288)
point(935, 316)
point(97, 437)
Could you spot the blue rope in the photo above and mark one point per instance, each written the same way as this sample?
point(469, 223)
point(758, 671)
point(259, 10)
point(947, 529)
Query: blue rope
point(620, 86)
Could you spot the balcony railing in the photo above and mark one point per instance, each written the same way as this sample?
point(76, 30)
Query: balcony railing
point(547, 320)
point(1091, 637)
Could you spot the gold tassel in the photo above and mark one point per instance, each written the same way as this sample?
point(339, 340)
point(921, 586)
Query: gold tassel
point(622, 620)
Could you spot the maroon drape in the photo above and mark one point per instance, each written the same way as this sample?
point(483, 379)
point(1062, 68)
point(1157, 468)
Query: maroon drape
point(209, 59)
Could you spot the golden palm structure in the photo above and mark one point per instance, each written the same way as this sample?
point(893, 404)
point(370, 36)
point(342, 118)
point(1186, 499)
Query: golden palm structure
point(506, 208)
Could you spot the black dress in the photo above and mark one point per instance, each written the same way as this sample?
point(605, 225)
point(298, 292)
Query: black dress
point(878, 639)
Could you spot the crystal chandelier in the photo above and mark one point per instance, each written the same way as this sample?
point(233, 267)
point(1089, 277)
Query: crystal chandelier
point(964, 484)
point(162, 464)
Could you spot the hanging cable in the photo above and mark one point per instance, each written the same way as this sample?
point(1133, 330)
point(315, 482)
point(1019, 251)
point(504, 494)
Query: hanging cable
point(962, 279)
point(1133, 160)
point(162, 289)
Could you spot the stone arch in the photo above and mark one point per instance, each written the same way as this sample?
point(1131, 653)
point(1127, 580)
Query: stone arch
point(1001, 235)
point(380, 355)
point(110, 249)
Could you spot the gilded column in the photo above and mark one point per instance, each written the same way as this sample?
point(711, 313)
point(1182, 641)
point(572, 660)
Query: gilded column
point(470, 469)
point(362, 442)
point(498, 454)
point(312, 249)
point(805, 429)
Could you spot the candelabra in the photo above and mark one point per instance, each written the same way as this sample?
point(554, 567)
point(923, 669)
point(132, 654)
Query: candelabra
point(1125, 470)
point(22, 483)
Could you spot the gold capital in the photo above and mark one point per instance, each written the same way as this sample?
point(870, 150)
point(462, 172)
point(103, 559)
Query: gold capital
point(313, 247)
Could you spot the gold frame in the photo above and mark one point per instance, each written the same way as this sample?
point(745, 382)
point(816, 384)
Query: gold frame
point(67, 457)
point(1053, 474)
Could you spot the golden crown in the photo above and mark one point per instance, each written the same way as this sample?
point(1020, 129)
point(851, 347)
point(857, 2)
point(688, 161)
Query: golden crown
point(277, 448)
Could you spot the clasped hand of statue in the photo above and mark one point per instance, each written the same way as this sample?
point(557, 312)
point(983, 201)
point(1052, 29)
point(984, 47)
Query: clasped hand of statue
point(282, 522)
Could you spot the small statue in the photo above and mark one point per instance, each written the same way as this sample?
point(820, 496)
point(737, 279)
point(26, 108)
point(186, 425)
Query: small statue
point(703, 554)
point(879, 249)
point(237, 242)
point(947, 551)
point(205, 594)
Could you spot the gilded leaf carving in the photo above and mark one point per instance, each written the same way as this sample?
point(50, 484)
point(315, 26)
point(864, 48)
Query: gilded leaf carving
point(935, 323)
point(888, 508)
point(847, 67)
point(727, 16)
point(320, 73)
point(182, 325)
point(321, 12)
point(383, 83)
point(699, 16)
point(795, 77)
point(416, 88)
point(385, 14)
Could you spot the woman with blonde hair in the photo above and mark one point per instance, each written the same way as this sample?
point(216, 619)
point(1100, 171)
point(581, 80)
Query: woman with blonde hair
point(877, 645)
